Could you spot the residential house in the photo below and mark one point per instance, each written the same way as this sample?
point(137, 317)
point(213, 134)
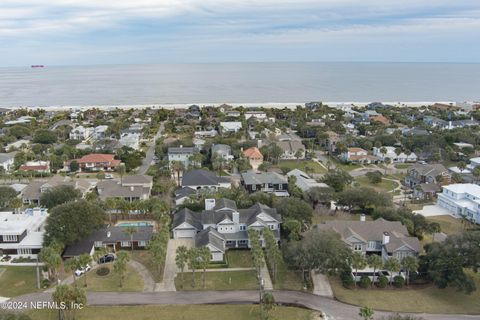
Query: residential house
point(36, 166)
point(381, 119)
point(232, 114)
point(134, 128)
point(20, 120)
point(381, 237)
point(7, 161)
point(181, 154)
point(314, 105)
point(198, 143)
point(131, 140)
point(393, 156)
point(206, 133)
point(474, 162)
point(258, 115)
point(222, 150)
point(95, 162)
point(182, 194)
point(130, 188)
point(81, 133)
point(222, 226)
point(194, 112)
point(21, 234)
point(254, 156)
point(462, 200)
point(31, 194)
point(100, 132)
point(426, 173)
point(292, 149)
point(201, 179)
point(230, 127)
point(16, 145)
point(304, 181)
point(270, 182)
point(111, 237)
point(357, 155)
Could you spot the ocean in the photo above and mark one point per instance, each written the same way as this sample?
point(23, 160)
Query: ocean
point(237, 83)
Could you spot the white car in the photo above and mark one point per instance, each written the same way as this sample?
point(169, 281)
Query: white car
point(108, 176)
point(81, 271)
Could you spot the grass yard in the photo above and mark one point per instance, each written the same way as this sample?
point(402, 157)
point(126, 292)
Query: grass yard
point(15, 281)
point(384, 185)
point(402, 165)
point(429, 299)
point(221, 280)
point(132, 282)
point(144, 257)
point(307, 166)
point(239, 258)
point(176, 312)
point(448, 224)
point(339, 215)
point(288, 279)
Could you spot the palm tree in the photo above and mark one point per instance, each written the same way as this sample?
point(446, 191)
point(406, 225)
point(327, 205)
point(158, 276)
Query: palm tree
point(476, 173)
point(131, 230)
point(121, 171)
point(72, 265)
point(409, 264)
point(181, 259)
point(120, 265)
point(177, 166)
point(358, 262)
point(84, 260)
point(16, 203)
point(376, 262)
point(462, 166)
point(392, 265)
point(193, 262)
point(204, 256)
point(52, 259)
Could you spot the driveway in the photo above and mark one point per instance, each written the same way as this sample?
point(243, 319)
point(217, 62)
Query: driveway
point(171, 269)
point(321, 286)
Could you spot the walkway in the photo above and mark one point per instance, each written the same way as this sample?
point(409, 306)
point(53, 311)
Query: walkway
point(321, 286)
point(334, 309)
point(267, 281)
point(229, 269)
point(171, 269)
point(148, 282)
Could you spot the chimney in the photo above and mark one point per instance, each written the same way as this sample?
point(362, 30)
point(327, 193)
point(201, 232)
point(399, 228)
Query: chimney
point(386, 238)
point(209, 204)
point(132, 188)
point(109, 234)
point(362, 217)
point(236, 217)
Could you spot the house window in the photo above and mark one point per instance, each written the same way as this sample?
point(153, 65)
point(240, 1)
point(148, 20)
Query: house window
point(10, 238)
point(125, 244)
point(357, 247)
point(254, 187)
point(24, 251)
point(243, 228)
point(272, 226)
point(142, 243)
point(242, 241)
point(280, 186)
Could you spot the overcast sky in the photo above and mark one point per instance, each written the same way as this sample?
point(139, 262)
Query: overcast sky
point(71, 32)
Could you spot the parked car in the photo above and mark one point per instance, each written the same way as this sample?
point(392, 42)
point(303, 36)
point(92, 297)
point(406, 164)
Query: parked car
point(110, 257)
point(108, 176)
point(82, 270)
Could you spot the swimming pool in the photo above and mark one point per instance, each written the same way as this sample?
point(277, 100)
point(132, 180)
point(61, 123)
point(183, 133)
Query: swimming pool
point(135, 224)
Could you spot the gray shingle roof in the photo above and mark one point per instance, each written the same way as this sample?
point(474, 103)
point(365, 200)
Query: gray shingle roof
point(257, 177)
point(183, 150)
point(210, 236)
point(201, 177)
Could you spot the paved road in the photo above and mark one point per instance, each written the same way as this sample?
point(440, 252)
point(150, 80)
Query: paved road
point(147, 161)
point(334, 309)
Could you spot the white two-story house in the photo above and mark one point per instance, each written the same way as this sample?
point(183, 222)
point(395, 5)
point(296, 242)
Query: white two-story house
point(222, 226)
point(462, 200)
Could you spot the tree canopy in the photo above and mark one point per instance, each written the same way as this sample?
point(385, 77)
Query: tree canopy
point(294, 208)
point(337, 179)
point(59, 195)
point(73, 221)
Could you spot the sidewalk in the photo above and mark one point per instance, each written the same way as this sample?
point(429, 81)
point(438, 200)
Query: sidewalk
point(267, 281)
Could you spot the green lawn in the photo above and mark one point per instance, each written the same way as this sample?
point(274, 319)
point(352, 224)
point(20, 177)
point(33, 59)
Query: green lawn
point(448, 224)
point(288, 279)
point(132, 282)
point(144, 257)
point(15, 281)
point(384, 185)
point(239, 258)
point(308, 166)
point(403, 165)
point(221, 280)
point(176, 312)
point(428, 299)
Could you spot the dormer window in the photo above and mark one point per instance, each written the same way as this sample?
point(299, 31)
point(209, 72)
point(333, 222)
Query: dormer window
point(10, 238)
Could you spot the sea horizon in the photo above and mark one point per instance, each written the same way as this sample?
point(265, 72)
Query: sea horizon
point(239, 82)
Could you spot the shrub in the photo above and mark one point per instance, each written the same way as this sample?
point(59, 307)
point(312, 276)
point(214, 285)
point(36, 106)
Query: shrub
point(45, 283)
point(103, 271)
point(382, 282)
point(374, 177)
point(398, 282)
point(364, 282)
point(348, 282)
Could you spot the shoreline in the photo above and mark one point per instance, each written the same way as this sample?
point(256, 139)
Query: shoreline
point(267, 105)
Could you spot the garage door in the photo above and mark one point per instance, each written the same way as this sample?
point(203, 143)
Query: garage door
point(177, 234)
